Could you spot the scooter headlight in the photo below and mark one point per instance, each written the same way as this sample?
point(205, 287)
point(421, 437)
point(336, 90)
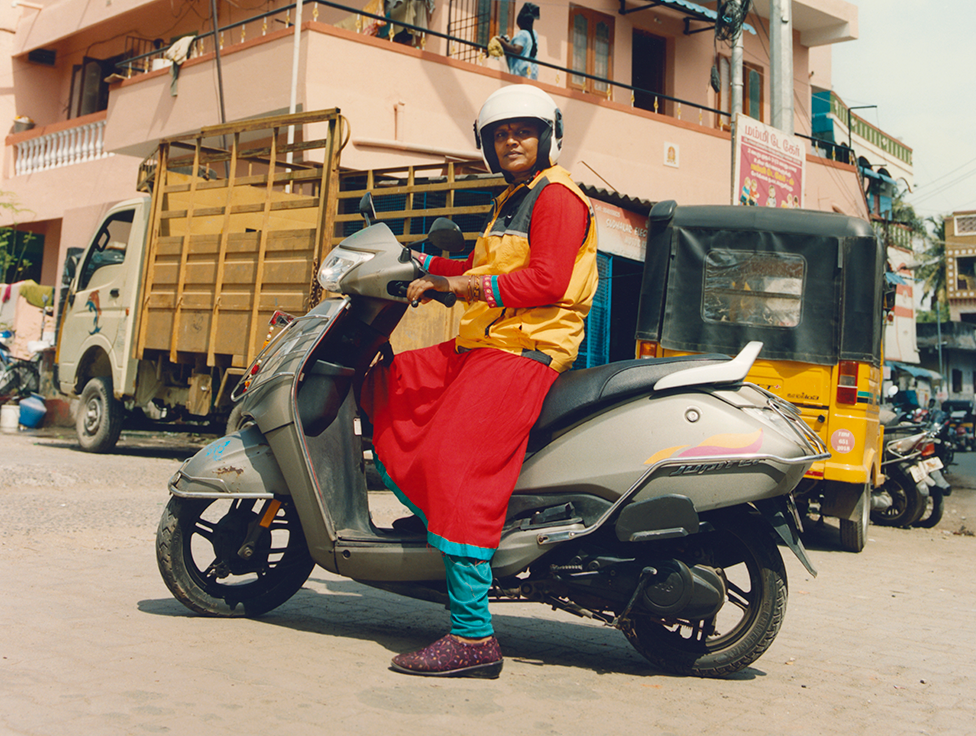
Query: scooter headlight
point(337, 265)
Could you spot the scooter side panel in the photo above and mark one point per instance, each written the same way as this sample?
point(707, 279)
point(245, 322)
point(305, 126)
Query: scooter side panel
point(608, 454)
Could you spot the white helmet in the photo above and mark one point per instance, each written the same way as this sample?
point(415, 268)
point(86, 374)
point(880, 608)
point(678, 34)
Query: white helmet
point(512, 103)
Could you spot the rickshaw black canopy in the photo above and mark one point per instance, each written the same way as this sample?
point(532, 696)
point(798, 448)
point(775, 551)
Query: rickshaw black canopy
point(807, 284)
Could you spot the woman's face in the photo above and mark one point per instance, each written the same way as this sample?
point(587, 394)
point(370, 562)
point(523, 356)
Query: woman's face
point(517, 147)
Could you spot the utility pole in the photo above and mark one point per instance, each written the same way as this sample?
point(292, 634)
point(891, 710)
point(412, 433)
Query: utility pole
point(781, 63)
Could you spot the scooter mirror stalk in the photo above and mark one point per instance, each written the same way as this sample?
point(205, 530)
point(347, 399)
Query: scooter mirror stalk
point(367, 209)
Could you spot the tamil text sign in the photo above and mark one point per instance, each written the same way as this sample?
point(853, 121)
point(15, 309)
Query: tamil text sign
point(769, 166)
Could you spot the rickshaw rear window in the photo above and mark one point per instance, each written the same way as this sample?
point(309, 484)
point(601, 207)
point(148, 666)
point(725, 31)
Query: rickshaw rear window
point(745, 287)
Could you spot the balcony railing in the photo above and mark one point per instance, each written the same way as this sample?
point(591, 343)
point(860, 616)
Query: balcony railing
point(60, 148)
point(259, 25)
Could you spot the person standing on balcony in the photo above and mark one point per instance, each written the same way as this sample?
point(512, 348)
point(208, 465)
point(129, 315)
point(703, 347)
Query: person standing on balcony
point(523, 47)
point(451, 422)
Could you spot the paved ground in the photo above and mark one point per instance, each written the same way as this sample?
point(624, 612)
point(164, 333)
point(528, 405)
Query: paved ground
point(92, 643)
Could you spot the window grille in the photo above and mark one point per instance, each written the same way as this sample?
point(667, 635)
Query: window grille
point(965, 224)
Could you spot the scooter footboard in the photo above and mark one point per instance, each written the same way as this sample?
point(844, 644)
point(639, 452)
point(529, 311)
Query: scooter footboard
point(239, 465)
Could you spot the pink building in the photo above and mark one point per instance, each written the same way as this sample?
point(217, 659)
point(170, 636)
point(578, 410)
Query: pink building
point(642, 119)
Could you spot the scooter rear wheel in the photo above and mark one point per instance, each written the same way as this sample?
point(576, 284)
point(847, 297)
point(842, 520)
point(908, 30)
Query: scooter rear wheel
point(744, 553)
point(197, 547)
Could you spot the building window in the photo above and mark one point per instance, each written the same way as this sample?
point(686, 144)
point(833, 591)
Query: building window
point(752, 90)
point(965, 224)
point(956, 381)
point(648, 68)
point(89, 90)
point(590, 49)
point(478, 21)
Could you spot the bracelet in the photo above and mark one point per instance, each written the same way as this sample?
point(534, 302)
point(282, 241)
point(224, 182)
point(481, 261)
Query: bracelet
point(473, 290)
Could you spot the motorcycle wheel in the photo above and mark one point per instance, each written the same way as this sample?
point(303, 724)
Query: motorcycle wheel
point(905, 503)
point(934, 508)
point(197, 547)
point(743, 552)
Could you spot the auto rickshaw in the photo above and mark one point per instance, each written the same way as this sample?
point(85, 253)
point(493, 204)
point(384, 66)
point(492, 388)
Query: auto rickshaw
point(809, 285)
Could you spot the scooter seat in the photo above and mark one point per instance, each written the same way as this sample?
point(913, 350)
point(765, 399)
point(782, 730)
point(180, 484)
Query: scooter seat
point(577, 395)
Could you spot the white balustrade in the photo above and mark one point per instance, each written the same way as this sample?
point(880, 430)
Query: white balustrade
point(63, 148)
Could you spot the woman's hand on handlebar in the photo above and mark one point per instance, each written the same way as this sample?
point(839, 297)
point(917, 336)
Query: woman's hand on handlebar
point(430, 282)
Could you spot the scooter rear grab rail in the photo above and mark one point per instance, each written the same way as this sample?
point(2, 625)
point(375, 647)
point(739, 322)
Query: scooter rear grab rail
point(811, 441)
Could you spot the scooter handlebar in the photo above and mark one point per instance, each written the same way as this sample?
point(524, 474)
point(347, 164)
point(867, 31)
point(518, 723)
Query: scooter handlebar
point(447, 298)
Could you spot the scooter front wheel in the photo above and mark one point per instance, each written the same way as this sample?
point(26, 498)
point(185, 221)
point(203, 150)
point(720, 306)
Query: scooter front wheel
point(199, 547)
point(742, 550)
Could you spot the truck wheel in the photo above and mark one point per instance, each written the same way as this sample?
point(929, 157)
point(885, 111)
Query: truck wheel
point(99, 421)
point(854, 532)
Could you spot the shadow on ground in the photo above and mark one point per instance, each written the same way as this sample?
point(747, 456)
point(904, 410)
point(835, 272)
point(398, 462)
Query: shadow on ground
point(355, 611)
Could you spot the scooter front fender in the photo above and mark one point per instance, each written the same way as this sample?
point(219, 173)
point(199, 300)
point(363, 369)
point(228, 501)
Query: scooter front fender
point(239, 465)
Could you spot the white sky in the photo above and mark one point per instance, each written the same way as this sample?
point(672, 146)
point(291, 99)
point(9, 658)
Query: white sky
point(917, 62)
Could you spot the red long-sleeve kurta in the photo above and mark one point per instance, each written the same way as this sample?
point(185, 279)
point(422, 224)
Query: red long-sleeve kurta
point(559, 223)
point(450, 428)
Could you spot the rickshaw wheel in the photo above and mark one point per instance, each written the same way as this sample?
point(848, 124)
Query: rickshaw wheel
point(854, 532)
point(905, 502)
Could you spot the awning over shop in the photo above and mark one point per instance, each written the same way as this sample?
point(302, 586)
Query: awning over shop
point(690, 9)
point(915, 370)
point(880, 176)
point(893, 278)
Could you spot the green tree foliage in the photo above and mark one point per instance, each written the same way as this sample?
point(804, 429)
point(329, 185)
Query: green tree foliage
point(932, 272)
point(13, 245)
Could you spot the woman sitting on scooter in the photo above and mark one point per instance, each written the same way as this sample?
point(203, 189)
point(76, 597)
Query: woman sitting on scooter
point(451, 422)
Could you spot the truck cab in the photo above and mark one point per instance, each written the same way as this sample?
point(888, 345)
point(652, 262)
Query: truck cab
point(94, 353)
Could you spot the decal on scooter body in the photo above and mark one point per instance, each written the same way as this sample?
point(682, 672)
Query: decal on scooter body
point(717, 444)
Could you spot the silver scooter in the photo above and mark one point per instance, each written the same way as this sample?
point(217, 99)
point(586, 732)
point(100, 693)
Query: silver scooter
point(652, 496)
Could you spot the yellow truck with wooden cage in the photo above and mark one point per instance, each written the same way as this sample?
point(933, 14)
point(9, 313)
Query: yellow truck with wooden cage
point(171, 300)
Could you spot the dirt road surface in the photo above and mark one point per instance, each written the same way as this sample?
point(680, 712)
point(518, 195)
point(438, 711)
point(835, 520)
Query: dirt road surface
point(91, 642)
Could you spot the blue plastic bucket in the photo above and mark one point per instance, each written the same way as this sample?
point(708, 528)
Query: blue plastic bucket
point(32, 411)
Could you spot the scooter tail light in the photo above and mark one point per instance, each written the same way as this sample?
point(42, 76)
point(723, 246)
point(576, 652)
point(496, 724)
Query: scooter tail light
point(928, 449)
point(847, 382)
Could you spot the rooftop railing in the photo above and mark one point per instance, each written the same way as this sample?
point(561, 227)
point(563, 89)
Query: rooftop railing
point(260, 24)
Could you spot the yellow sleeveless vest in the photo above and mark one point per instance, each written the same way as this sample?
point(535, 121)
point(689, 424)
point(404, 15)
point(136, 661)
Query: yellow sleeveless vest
point(503, 247)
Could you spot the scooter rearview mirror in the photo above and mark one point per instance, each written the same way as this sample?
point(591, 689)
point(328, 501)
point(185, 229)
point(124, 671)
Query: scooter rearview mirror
point(445, 235)
point(367, 209)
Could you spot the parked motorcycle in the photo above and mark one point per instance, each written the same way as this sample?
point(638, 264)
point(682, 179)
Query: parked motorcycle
point(651, 499)
point(18, 377)
point(914, 487)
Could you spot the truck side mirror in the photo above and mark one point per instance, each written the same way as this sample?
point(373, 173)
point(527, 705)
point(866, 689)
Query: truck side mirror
point(70, 267)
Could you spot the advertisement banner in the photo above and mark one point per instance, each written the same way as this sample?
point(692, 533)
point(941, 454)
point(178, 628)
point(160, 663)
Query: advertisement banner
point(620, 232)
point(769, 165)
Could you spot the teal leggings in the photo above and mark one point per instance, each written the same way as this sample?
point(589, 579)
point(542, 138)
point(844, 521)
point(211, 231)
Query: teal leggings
point(468, 581)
